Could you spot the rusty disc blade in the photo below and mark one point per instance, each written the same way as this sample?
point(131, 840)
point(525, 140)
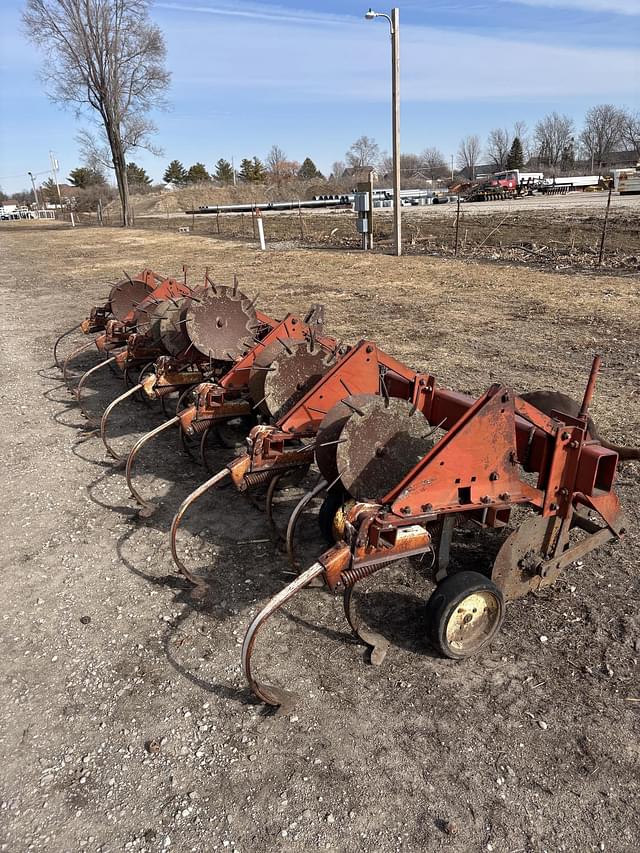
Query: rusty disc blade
point(171, 326)
point(126, 296)
point(377, 443)
point(150, 318)
point(294, 368)
point(219, 324)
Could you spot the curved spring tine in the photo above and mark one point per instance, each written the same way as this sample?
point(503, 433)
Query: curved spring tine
point(57, 361)
point(378, 644)
point(203, 450)
point(80, 386)
point(268, 693)
point(147, 508)
point(184, 506)
point(71, 356)
point(268, 506)
point(106, 415)
point(295, 515)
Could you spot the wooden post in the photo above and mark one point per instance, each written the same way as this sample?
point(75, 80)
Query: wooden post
point(604, 226)
point(301, 221)
point(455, 251)
point(218, 219)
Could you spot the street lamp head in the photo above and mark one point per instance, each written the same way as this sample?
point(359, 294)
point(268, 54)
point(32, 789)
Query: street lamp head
point(370, 15)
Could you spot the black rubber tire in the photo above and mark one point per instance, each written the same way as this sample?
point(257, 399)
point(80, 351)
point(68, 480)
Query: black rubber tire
point(443, 604)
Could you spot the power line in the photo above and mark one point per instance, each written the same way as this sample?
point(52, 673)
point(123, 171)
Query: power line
point(24, 175)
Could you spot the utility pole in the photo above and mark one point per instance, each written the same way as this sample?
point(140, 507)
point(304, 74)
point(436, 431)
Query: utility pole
point(452, 168)
point(395, 106)
point(394, 28)
point(35, 194)
point(54, 168)
point(233, 169)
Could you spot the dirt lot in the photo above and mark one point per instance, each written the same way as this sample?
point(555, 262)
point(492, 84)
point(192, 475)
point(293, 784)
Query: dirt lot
point(560, 232)
point(532, 747)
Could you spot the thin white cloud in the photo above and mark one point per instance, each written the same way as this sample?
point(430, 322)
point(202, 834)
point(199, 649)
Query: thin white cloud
point(298, 61)
point(615, 7)
point(258, 12)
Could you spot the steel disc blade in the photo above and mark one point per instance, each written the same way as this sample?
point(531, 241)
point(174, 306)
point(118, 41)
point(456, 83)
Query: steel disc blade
point(219, 323)
point(126, 295)
point(379, 442)
point(259, 373)
point(294, 369)
point(328, 437)
point(171, 328)
point(150, 318)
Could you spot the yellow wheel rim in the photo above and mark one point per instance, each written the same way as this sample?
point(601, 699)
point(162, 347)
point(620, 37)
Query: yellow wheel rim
point(473, 622)
point(339, 520)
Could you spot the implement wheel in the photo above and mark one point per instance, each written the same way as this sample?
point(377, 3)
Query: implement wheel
point(464, 614)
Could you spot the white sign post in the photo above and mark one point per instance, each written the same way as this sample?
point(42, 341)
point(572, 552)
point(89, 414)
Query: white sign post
point(260, 230)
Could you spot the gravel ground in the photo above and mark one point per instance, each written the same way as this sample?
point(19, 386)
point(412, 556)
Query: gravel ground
point(127, 724)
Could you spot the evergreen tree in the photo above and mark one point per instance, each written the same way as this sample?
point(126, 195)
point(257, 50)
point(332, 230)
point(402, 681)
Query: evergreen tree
point(308, 171)
point(515, 158)
point(137, 177)
point(84, 177)
point(197, 174)
point(49, 191)
point(224, 171)
point(252, 171)
point(175, 173)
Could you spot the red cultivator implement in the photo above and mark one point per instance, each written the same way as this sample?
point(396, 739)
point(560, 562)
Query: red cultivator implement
point(124, 297)
point(269, 379)
point(476, 471)
point(402, 462)
point(199, 336)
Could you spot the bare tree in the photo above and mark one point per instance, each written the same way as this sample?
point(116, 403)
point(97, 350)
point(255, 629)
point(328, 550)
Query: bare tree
point(432, 162)
point(631, 131)
point(601, 132)
point(552, 135)
point(105, 56)
point(338, 169)
point(363, 152)
point(468, 154)
point(409, 165)
point(498, 146)
point(276, 158)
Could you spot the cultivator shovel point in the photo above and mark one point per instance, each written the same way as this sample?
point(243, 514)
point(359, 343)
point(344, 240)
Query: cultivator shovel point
point(475, 470)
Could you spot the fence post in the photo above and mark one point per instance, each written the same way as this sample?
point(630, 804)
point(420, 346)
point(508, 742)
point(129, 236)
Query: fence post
point(604, 226)
point(455, 251)
point(258, 218)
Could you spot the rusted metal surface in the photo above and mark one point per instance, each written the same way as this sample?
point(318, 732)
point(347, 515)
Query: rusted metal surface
point(285, 372)
point(379, 442)
point(220, 322)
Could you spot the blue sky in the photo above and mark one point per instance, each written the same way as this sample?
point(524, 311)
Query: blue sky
point(312, 76)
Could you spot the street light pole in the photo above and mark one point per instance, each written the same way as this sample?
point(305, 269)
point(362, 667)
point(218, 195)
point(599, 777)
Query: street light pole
point(395, 106)
point(35, 194)
point(394, 26)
